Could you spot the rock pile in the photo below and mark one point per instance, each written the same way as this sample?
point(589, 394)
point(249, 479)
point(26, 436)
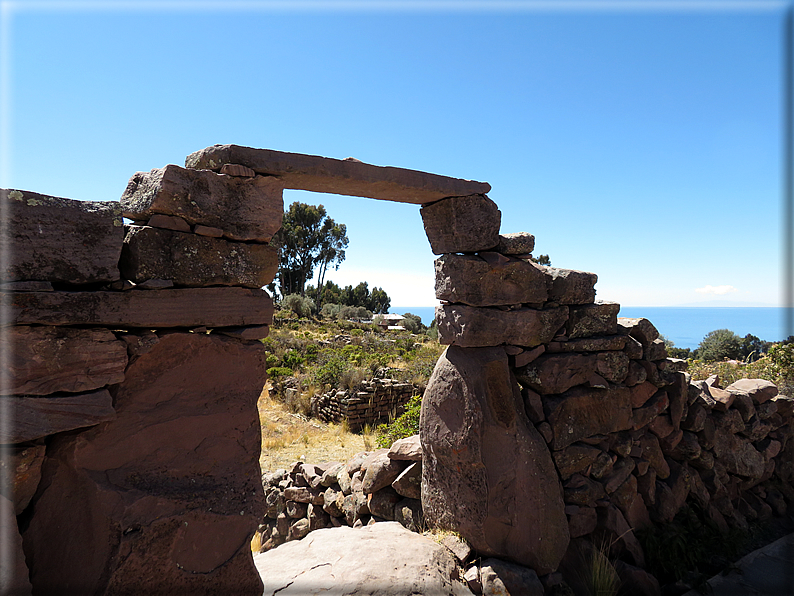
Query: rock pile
point(370, 403)
point(372, 486)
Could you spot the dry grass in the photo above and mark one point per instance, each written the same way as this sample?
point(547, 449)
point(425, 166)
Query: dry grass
point(288, 437)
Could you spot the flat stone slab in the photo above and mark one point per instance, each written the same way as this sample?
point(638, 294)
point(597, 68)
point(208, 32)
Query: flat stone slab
point(45, 360)
point(383, 559)
point(151, 309)
point(60, 240)
point(34, 417)
point(472, 327)
point(194, 261)
point(338, 176)
point(244, 208)
point(490, 281)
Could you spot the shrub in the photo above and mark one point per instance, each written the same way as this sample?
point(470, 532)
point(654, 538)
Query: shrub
point(300, 305)
point(279, 371)
point(720, 344)
point(330, 311)
point(404, 426)
point(413, 323)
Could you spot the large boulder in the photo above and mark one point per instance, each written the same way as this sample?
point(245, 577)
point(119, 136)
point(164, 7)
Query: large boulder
point(383, 559)
point(166, 496)
point(487, 472)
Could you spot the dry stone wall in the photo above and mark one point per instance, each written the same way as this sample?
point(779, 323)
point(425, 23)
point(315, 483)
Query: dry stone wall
point(132, 367)
point(371, 402)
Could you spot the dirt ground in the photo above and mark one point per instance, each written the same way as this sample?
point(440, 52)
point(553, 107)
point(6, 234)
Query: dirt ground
point(288, 437)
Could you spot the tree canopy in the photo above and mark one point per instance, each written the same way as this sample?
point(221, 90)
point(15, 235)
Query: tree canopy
point(719, 344)
point(308, 238)
point(376, 300)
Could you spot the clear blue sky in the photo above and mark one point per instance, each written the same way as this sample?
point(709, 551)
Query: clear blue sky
point(641, 141)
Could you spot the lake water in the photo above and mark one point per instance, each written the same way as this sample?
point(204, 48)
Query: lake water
point(685, 326)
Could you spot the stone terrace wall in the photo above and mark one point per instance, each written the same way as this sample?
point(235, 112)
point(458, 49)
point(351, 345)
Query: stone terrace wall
point(370, 403)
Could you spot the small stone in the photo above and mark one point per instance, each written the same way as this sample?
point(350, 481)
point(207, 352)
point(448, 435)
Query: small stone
point(519, 243)
point(207, 231)
point(168, 222)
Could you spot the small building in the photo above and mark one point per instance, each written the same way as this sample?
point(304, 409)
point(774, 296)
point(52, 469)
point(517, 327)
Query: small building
point(390, 321)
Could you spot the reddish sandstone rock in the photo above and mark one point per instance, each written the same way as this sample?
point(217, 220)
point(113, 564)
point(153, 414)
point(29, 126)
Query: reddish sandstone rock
point(14, 572)
point(571, 287)
point(244, 208)
point(60, 240)
point(167, 496)
point(469, 327)
point(36, 417)
point(194, 261)
point(487, 472)
point(593, 319)
point(556, 373)
point(519, 243)
point(151, 309)
point(580, 413)
point(473, 280)
point(759, 390)
point(462, 224)
point(21, 471)
point(640, 329)
point(338, 176)
point(45, 360)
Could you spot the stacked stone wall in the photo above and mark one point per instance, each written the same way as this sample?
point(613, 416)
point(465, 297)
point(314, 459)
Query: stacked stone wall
point(133, 370)
point(370, 403)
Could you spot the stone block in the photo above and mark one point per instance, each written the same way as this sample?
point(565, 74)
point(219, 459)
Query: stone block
point(165, 497)
point(45, 360)
point(462, 224)
point(575, 458)
point(20, 470)
point(556, 373)
point(151, 309)
point(244, 208)
point(589, 344)
point(35, 417)
point(193, 261)
point(338, 176)
point(759, 390)
point(571, 287)
point(519, 243)
point(640, 329)
point(467, 326)
point(593, 319)
point(60, 240)
point(486, 472)
point(580, 413)
point(473, 280)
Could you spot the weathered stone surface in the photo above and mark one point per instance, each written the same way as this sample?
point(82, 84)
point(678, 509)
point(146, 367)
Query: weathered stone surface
point(641, 393)
point(556, 373)
point(60, 240)
point(612, 521)
point(583, 491)
point(469, 327)
point(338, 176)
point(613, 366)
point(738, 455)
point(519, 243)
point(167, 496)
point(581, 520)
point(759, 390)
point(382, 503)
point(527, 356)
point(486, 472)
point(383, 559)
point(500, 578)
point(168, 222)
point(235, 169)
point(593, 319)
point(181, 307)
point(381, 472)
point(34, 417)
point(580, 413)
point(571, 287)
point(462, 224)
point(20, 470)
point(575, 458)
point(409, 448)
point(193, 261)
point(409, 482)
point(457, 546)
point(244, 208)
point(533, 405)
point(652, 452)
point(622, 470)
point(640, 329)
point(14, 572)
point(588, 344)
point(254, 332)
point(656, 350)
point(45, 360)
point(408, 513)
point(473, 280)
point(655, 406)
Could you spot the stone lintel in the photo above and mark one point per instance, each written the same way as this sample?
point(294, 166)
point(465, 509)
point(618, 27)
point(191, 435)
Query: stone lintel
point(338, 176)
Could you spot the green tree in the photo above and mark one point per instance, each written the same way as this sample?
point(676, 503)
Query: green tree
point(541, 260)
point(413, 323)
point(719, 344)
point(751, 348)
point(307, 237)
